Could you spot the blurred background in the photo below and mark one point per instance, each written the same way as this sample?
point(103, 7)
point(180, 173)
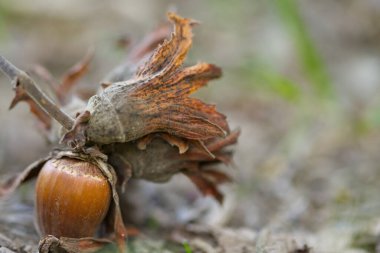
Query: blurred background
point(301, 79)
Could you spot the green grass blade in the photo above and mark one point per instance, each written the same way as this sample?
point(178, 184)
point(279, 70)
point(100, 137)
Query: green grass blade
point(311, 61)
point(187, 248)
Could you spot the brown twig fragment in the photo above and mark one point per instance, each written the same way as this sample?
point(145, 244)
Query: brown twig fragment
point(22, 81)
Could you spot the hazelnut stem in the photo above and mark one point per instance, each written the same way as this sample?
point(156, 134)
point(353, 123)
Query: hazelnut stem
point(22, 80)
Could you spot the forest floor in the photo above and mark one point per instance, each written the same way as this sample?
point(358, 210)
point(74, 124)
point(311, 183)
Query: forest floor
point(306, 167)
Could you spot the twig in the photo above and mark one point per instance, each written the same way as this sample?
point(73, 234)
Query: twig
point(22, 80)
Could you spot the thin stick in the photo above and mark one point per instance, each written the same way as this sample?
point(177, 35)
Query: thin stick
point(21, 79)
point(8, 68)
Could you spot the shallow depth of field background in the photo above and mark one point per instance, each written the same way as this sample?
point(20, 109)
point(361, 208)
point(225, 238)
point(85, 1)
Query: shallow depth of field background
point(301, 80)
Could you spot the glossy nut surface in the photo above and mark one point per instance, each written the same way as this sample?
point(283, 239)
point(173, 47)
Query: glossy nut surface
point(72, 198)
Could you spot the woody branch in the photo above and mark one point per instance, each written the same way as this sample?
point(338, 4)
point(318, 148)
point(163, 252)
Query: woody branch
point(21, 80)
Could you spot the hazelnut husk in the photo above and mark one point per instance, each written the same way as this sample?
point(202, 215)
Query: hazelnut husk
point(72, 198)
point(154, 101)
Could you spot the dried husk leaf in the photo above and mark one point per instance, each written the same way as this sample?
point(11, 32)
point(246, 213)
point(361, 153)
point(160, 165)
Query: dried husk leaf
point(11, 184)
point(170, 55)
point(71, 77)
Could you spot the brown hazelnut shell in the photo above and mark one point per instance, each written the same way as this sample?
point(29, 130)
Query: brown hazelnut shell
point(72, 198)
